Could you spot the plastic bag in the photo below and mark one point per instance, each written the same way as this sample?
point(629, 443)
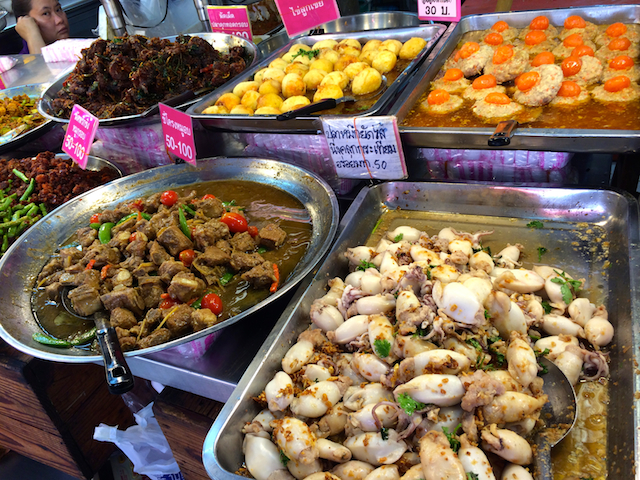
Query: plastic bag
point(145, 445)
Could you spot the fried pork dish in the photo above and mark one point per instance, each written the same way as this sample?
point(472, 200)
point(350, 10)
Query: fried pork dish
point(423, 364)
point(127, 75)
point(160, 266)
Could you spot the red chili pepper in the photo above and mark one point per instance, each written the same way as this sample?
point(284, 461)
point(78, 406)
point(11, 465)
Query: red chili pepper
point(91, 263)
point(137, 205)
point(274, 285)
point(253, 230)
point(103, 271)
point(168, 303)
point(133, 237)
point(95, 218)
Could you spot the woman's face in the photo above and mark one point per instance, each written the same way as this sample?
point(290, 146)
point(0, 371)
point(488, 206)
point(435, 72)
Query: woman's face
point(51, 19)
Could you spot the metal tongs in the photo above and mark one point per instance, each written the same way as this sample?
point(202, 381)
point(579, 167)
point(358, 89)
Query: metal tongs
point(503, 133)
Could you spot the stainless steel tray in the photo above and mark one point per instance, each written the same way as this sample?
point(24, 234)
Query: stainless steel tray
point(34, 91)
point(544, 139)
point(307, 124)
point(365, 22)
point(25, 258)
point(220, 41)
point(567, 214)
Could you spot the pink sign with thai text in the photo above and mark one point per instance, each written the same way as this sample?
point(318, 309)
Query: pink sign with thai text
point(443, 10)
point(2, 85)
point(231, 20)
point(177, 129)
point(80, 133)
point(299, 16)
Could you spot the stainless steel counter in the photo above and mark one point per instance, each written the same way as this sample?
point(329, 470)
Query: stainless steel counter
point(33, 69)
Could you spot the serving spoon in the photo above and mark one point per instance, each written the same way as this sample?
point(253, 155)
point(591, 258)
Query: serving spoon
point(119, 376)
point(559, 415)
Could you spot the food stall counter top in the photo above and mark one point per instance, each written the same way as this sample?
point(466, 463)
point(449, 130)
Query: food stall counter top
point(32, 69)
point(472, 7)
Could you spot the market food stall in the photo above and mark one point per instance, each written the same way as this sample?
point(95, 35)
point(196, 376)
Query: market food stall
point(574, 246)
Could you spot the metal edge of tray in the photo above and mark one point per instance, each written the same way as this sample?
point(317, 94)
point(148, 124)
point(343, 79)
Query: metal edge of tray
point(34, 133)
point(308, 124)
point(44, 106)
point(613, 210)
point(306, 186)
point(544, 139)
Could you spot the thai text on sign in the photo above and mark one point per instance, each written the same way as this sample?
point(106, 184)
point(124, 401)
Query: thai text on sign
point(300, 16)
point(231, 20)
point(443, 10)
point(80, 134)
point(177, 129)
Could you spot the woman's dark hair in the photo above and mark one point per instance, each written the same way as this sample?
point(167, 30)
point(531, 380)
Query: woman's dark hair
point(21, 8)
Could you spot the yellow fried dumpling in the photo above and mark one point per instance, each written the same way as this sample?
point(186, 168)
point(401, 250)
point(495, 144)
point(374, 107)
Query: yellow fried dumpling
point(384, 61)
point(258, 77)
point(267, 111)
point(344, 61)
point(216, 110)
point(391, 45)
point(273, 74)
point(368, 55)
point(412, 48)
point(296, 47)
point(278, 63)
point(298, 68)
point(293, 85)
point(313, 78)
point(354, 69)
point(294, 102)
point(336, 78)
point(269, 100)
point(348, 42)
point(241, 110)
point(367, 81)
point(327, 91)
point(371, 45)
point(270, 86)
point(329, 43)
point(330, 55)
point(350, 51)
point(250, 99)
point(322, 64)
point(243, 87)
point(228, 100)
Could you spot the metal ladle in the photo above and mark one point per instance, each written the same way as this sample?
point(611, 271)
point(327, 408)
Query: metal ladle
point(119, 376)
point(559, 415)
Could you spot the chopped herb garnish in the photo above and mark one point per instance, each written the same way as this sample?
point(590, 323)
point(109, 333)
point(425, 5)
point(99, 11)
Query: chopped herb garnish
point(474, 343)
point(306, 53)
point(453, 440)
point(428, 273)
point(283, 458)
point(408, 404)
point(535, 224)
point(382, 347)
point(375, 227)
point(566, 286)
point(547, 307)
point(487, 315)
point(472, 476)
point(541, 251)
point(364, 265)
point(420, 332)
point(384, 433)
point(398, 238)
point(542, 353)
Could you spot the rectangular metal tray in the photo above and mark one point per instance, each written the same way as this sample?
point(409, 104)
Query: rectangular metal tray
point(543, 139)
point(568, 215)
point(308, 124)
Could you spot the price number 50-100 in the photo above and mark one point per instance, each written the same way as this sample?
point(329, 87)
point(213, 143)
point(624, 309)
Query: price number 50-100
point(76, 148)
point(186, 152)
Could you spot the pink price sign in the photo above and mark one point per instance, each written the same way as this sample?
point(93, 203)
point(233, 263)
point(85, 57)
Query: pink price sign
point(2, 85)
point(301, 15)
point(231, 20)
point(80, 133)
point(177, 129)
point(443, 10)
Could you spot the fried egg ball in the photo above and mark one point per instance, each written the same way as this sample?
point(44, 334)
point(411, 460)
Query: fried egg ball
point(296, 47)
point(327, 91)
point(273, 74)
point(216, 110)
point(350, 51)
point(278, 63)
point(336, 78)
point(267, 111)
point(344, 61)
point(392, 45)
point(313, 78)
point(293, 103)
point(330, 55)
point(412, 48)
point(244, 87)
point(367, 81)
point(384, 61)
point(270, 86)
point(270, 100)
point(241, 110)
point(368, 56)
point(293, 85)
point(322, 64)
point(324, 44)
point(228, 100)
point(354, 69)
point(371, 45)
point(348, 42)
point(298, 68)
point(250, 99)
point(258, 77)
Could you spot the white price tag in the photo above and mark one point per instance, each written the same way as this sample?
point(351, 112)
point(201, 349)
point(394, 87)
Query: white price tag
point(365, 147)
point(443, 10)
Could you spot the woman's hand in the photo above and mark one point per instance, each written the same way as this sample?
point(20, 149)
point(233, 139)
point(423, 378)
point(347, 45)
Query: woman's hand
point(28, 29)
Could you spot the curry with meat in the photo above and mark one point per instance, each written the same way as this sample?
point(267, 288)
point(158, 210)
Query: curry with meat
point(174, 262)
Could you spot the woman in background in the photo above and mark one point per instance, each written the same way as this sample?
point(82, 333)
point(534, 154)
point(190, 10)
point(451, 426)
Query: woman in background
point(39, 23)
